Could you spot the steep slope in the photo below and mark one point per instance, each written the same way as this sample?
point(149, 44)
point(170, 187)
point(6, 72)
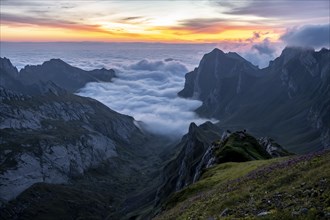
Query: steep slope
point(181, 171)
point(283, 188)
point(53, 138)
point(289, 100)
point(219, 73)
point(204, 147)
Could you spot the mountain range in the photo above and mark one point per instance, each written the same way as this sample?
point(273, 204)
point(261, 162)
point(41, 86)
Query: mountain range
point(71, 157)
point(289, 100)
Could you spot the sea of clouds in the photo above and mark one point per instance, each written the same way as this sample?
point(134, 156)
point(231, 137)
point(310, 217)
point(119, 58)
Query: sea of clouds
point(148, 90)
point(149, 76)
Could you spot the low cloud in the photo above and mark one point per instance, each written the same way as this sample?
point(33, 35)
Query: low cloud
point(168, 66)
point(147, 90)
point(256, 36)
point(315, 36)
point(264, 48)
point(258, 54)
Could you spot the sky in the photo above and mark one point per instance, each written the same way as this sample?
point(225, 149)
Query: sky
point(173, 21)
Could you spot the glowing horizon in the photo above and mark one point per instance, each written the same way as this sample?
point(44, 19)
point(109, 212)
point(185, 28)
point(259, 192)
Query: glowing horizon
point(157, 21)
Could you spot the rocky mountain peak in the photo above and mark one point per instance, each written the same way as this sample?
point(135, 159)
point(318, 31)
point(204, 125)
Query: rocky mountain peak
point(192, 127)
point(242, 96)
point(55, 63)
point(7, 66)
point(61, 73)
point(216, 51)
point(290, 53)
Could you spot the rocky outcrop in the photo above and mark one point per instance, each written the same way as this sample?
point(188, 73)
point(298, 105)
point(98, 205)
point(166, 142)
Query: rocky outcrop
point(273, 148)
point(289, 100)
point(181, 171)
point(52, 138)
point(207, 145)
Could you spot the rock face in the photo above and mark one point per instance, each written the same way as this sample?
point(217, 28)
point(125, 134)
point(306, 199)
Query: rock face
point(289, 100)
point(272, 148)
point(215, 75)
point(181, 171)
point(55, 136)
point(68, 77)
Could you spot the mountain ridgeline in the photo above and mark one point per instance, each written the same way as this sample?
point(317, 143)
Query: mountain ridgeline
point(289, 100)
point(70, 78)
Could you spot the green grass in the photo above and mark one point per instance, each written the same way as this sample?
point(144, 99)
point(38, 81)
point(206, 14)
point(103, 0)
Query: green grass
point(216, 176)
point(240, 147)
point(285, 188)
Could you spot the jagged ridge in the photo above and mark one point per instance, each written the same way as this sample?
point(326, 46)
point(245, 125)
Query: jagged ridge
point(289, 100)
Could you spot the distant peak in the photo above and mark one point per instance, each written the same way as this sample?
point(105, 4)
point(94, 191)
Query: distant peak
point(216, 50)
point(6, 64)
point(324, 50)
point(55, 62)
point(221, 54)
point(5, 61)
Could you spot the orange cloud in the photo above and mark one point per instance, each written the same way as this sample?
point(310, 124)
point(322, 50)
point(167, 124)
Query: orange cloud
point(25, 28)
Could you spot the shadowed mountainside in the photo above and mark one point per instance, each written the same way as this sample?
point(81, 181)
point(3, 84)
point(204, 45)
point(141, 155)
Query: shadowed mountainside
point(57, 146)
point(68, 77)
point(289, 100)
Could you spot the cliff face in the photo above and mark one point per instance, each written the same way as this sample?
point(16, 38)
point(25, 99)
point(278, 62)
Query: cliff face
point(54, 138)
point(180, 172)
point(218, 73)
point(289, 100)
point(207, 145)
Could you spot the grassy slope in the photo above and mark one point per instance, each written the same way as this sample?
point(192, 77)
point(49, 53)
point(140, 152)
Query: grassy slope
point(295, 187)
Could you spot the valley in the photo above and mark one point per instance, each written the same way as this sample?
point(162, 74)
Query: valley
point(266, 154)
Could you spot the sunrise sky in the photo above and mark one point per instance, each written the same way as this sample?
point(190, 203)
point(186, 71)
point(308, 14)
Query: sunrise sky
point(162, 21)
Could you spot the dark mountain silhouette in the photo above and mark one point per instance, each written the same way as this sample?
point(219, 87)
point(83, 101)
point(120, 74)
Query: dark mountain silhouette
point(289, 100)
point(68, 77)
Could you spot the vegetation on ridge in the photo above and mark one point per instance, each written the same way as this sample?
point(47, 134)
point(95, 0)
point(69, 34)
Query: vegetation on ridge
point(295, 187)
point(239, 147)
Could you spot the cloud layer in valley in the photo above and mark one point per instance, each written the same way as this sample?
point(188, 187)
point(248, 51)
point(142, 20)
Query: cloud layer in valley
point(148, 90)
